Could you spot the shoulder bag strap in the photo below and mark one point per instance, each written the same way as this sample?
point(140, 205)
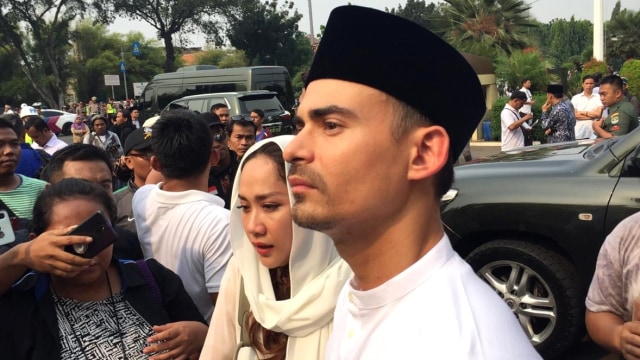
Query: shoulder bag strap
point(151, 280)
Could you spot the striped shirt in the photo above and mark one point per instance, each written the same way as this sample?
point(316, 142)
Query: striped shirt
point(21, 199)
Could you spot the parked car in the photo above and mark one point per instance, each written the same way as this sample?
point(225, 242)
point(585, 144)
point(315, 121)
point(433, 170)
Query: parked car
point(531, 223)
point(277, 119)
point(59, 122)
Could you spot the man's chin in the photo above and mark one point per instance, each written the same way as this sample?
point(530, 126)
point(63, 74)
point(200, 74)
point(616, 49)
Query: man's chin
point(308, 219)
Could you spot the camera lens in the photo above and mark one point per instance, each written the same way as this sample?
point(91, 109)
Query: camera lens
point(100, 229)
point(80, 248)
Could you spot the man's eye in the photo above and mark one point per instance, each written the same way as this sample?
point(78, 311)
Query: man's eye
point(330, 125)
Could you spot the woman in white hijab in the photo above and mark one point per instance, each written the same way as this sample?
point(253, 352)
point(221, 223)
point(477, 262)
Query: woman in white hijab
point(283, 280)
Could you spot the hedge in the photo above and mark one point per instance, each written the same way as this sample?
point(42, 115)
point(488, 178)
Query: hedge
point(631, 70)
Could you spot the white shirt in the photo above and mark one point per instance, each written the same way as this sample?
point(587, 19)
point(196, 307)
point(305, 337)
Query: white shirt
point(438, 308)
point(526, 108)
point(511, 139)
point(54, 144)
point(188, 232)
point(582, 102)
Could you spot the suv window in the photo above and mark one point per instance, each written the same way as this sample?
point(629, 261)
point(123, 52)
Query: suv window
point(166, 94)
point(248, 103)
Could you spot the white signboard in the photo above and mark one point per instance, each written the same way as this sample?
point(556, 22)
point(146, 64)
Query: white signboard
point(138, 87)
point(112, 80)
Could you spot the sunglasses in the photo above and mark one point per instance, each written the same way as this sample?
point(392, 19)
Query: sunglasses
point(146, 156)
point(219, 136)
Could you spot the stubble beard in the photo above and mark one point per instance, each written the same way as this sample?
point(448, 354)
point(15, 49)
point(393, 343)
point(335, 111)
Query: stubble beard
point(306, 218)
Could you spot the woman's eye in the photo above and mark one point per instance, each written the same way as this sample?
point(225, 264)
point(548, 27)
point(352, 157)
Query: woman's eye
point(271, 207)
point(244, 208)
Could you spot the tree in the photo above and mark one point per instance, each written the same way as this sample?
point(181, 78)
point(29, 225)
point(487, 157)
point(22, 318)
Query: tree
point(487, 27)
point(520, 65)
point(168, 17)
point(419, 12)
point(43, 45)
point(631, 70)
point(269, 35)
point(97, 53)
point(222, 58)
point(568, 39)
point(623, 36)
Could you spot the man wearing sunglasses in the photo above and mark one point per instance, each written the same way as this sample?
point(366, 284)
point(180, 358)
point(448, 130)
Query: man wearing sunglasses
point(138, 152)
point(221, 175)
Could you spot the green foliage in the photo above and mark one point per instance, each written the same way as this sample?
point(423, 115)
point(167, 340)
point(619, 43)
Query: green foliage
point(36, 33)
point(211, 57)
point(594, 66)
point(522, 65)
point(496, 125)
point(235, 58)
point(487, 27)
point(98, 53)
point(568, 38)
point(623, 36)
point(419, 12)
point(269, 34)
point(631, 70)
point(168, 17)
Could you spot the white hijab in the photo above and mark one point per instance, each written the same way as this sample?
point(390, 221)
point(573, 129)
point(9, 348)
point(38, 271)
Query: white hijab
point(317, 276)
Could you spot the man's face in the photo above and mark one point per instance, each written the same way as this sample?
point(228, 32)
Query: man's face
point(588, 85)
point(7, 108)
point(223, 114)
point(221, 144)
point(95, 171)
point(609, 94)
point(241, 139)
point(139, 162)
point(135, 114)
point(527, 84)
point(39, 137)
point(517, 104)
point(257, 119)
point(341, 154)
point(9, 151)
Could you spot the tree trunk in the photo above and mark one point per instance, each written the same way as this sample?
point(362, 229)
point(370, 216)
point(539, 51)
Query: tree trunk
point(170, 52)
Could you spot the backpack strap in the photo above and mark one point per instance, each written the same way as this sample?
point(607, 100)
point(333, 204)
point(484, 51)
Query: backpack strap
point(151, 280)
point(243, 314)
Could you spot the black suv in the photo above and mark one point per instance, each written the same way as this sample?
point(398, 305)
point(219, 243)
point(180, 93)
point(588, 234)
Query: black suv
point(240, 104)
point(531, 223)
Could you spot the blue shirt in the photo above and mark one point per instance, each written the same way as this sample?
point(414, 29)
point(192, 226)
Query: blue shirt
point(30, 161)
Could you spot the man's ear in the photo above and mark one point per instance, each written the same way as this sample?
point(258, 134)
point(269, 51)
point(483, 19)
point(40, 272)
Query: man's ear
point(128, 162)
point(429, 152)
point(32, 236)
point(155, 163)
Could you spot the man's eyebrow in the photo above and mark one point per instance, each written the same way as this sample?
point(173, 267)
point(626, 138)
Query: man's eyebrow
point(330, 110)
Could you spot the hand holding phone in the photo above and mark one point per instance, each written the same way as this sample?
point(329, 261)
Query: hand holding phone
point(99, 229)
point(7, 235)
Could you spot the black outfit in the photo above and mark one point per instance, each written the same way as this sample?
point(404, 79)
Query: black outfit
point(29, 327)
point(221, 179)
point(123, 198)
point(122, 131)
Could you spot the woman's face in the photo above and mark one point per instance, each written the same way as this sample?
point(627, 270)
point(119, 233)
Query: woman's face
point(78, 120)
point(266, 213)
point(120, 119)
point(257, 119)
point(71, 212)
point(100, 126)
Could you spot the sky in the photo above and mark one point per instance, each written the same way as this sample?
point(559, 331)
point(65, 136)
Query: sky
point(542, 10)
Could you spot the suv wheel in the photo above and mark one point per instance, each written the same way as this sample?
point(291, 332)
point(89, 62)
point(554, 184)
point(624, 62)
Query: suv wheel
point(539, 286)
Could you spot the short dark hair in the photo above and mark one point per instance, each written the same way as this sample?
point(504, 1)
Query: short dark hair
point(525, 80)
point(518, 95)
point(259, 112)
point(52, 173)
point(68, 189)
point(409, 118)
point(242, 123)
point(182, 142)
point(36, 122)
point(217, 106)
point(613, 80)
point(584, 78)
point(15, 122)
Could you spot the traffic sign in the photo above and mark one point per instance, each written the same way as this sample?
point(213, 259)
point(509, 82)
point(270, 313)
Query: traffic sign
point(122, 68)
point(135, 48)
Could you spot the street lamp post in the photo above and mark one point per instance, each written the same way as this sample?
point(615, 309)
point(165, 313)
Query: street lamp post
point(311, 22)
point(598, 29)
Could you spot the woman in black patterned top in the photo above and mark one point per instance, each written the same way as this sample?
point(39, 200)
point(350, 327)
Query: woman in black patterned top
point(113, 309)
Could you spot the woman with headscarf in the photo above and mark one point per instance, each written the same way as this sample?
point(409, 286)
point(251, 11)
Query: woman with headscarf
point(279, 291)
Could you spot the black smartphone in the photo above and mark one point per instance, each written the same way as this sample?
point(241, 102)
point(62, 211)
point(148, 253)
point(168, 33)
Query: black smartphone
point(99, 229)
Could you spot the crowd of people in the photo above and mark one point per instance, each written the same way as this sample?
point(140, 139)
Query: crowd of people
point(226, 243)
point(604, 109)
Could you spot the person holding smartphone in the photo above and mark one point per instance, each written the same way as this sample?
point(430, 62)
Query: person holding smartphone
point(120, 308)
